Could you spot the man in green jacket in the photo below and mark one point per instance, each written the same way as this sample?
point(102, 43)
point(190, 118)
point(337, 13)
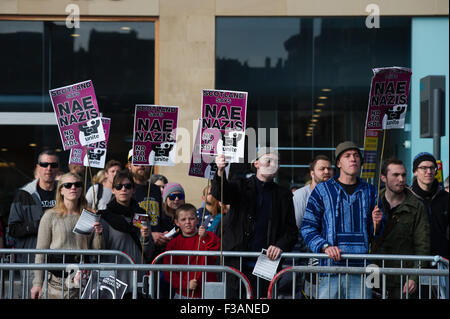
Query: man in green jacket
point(406, 231)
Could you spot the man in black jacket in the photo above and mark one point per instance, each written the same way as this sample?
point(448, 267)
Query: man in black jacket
point(27, 208)
point(435, 199)
point(261, 214)
point(31, 201)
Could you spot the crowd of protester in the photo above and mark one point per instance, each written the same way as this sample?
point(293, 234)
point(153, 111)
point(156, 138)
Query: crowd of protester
point(335, 213)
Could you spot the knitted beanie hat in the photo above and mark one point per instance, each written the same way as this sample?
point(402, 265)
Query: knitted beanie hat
point(421, 157)
point(170, 188)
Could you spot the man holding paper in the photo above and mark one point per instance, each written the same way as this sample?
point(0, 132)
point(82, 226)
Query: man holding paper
point(261, 214)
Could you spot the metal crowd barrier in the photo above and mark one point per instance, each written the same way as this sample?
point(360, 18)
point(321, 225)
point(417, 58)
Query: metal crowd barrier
point(301, 264)
point(434, 280)
point(223, 256)
point(8, 281)
point(146, 283)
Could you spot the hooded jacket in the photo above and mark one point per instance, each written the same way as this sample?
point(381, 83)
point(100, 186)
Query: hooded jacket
point(336, 218)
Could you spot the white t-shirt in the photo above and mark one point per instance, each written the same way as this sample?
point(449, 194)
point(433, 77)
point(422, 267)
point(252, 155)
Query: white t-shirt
point(300, 199)
point(104, 200)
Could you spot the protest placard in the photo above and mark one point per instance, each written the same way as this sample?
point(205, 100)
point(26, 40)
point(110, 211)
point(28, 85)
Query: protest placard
point(93, 155)
point(388, 102)
point(202, 165)
point(223, 123)
point(370, 154)
point(103, 285)
point(77, 114)
point(154, 135)
point(388, 98)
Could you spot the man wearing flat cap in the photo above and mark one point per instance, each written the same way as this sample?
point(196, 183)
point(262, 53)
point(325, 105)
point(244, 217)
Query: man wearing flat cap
point(435, 199)
point(261, 214)
point(339, 219)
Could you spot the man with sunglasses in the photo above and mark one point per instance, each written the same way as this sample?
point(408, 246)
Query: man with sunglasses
point(31, 201)
point(435, 199)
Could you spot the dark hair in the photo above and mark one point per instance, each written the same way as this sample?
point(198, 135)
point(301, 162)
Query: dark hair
point(186, 207)
point(121, 175)
point(158, 177)
point(47, 152)
point(386, 163)
point(320, 157)
point(112, 163)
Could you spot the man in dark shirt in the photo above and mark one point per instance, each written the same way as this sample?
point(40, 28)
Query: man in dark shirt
point(435, 199)
point(261, 214)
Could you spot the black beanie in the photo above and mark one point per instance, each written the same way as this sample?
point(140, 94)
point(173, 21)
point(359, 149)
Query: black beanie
point(421, 157)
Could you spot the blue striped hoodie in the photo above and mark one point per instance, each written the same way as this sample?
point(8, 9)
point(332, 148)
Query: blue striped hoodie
point(332, 216)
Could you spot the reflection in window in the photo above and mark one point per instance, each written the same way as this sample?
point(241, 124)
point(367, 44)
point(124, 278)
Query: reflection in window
point(37, 56)
point(308, 77)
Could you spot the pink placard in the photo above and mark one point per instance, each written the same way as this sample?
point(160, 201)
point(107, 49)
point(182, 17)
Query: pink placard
point(94, 153)
point(77, 114)
point(155, 132)
point(223, 123)
point(388, 99)
point(202, 165)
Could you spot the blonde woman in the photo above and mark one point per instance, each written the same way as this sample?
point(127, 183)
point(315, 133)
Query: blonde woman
point(55, 232)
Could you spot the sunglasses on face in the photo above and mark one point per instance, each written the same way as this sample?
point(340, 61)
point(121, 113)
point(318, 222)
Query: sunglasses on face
point(45, 164)
point(69, 185)
point(118, 187)
point(173, 196)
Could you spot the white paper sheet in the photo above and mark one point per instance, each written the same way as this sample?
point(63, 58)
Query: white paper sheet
point(85, 224)
point(266, 268)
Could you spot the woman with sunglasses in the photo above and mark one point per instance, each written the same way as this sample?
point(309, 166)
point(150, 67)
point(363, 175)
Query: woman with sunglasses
point(121, 231)
point(55, 232)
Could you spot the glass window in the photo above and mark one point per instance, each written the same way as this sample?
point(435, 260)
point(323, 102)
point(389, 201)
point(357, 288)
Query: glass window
point(310, 78)
point(119, 58)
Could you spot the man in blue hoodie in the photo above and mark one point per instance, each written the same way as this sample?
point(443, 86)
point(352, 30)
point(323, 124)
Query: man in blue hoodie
point(339, 219)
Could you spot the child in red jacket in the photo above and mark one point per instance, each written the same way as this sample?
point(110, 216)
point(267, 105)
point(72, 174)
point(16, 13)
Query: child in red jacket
point(186, 219)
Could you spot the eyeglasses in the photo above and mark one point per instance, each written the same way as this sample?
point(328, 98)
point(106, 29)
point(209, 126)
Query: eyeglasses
point(118, 187)
point(69, 185)
point(426, 168)
point(180, 196)
point(45, 164)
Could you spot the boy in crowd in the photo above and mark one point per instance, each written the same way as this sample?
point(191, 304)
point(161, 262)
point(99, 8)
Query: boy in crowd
point(186, 218)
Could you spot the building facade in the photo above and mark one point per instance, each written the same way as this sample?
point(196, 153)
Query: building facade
point(306, 65)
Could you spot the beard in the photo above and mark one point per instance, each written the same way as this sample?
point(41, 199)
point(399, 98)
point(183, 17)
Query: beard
point(140, 176)
point(396, 190)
